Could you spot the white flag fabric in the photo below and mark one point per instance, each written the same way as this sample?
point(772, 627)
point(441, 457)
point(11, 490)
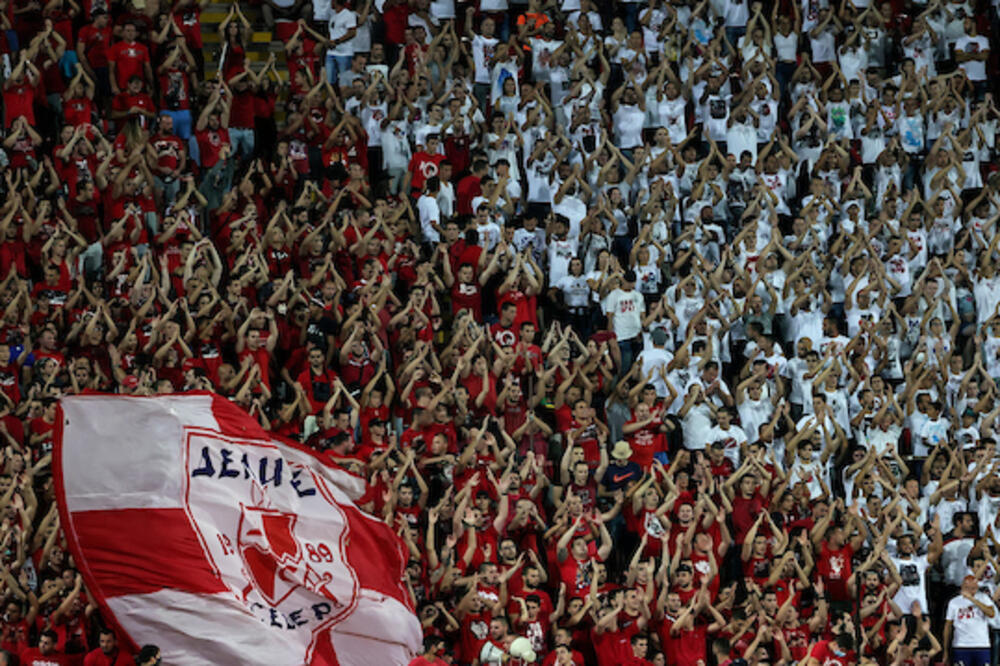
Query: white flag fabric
point(199, 532)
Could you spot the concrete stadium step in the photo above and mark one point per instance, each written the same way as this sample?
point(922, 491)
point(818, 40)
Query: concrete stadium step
point(262, 37)
point(261, 45)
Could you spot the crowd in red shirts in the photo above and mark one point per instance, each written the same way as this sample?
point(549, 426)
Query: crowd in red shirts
point(664, 332)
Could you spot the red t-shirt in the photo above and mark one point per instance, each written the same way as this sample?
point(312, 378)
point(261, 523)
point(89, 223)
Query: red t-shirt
point(607, 647)
point(125, 101)
point(823, 651)
point(758, 568)
point(241, 114)
point(175, 89)
point(745, 513)
point(395, 18)
point(263, 359)
point(834, 566)
point(78, 111)
point(474, 385)
point(474, 632)
point(34, 657)
point(318, 388)
point(9, 383)
point(210, 143)
point(576, 574)
point(797, 639)
point(646, 443)
point(689, 646)
point(421, 661)
point(576, 659)
point(505, 336)
point(423, 166)
point(14, 636)
point(96, 44)
point(188, 19)
point(19, 101)
point(724, 469)
point(527, 306)
point(467, 296)
point(129, 61)
point(98, 658)
point(168, 149)
point(468, 189)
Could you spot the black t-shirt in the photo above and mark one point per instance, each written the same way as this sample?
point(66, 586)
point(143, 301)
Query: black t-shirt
point(319, 329)
point(617, 476)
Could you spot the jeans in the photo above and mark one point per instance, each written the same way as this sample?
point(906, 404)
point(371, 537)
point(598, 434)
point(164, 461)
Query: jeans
point(970, 656)
point(170, 189)
point(153, 224)
point(621, 247)
point(629, 350)
point(502, 22)
point(335, 65)
point(631, 16)
point(194, 152)
point(217, 181)
point(92, 260)
point(783, 71)
point(243, 142)
point(481, 91)
point(182, 122)
point(733, 34)
point(395, 178)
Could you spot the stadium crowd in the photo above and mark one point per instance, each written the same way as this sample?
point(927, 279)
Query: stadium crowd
point(665, 332)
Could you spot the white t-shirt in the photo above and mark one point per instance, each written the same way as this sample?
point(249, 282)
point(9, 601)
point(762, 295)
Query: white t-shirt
point(946, 510)
point(734, 437)
point(396, 151)
point(715, 116)
point(932, 433)
point(446, 199)
point(697, 423)
point(953, 558)
point(883, 440)
point(736, 13)
point(541, 57)
point(442, 9)
point(672, 117)
point(824, 46)
point(913, 572)
point(574, 210)
point(971, 626)
point(754, 414)
point(628, 122)
point(482, 54)
point(340, 24)
point(627, 308)
point(801, 388)
point(575, 290)
point(560, 254)
point(654, 359)
point(974, 69)
point(742, 137)
point(810, 473)
point(786, 47)
point(321, 10)
point(430, 212)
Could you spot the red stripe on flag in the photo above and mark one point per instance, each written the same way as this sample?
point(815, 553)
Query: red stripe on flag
point(323, 652)
point(376, 554)
point(235, 422)
point(66, 520)
point(138, 551)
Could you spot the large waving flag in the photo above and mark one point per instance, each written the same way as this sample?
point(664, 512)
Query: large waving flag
point(198, 531)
